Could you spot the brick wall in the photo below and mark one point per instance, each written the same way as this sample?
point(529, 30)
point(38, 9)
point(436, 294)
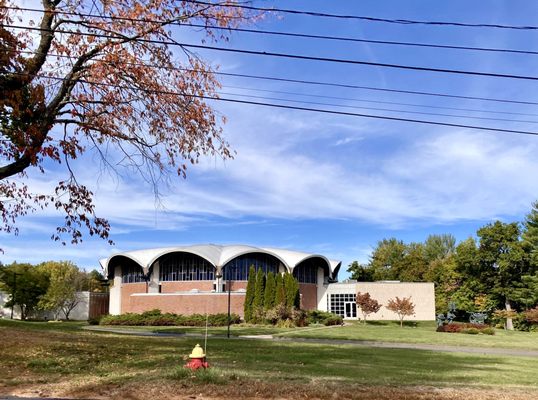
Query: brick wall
point(188, 303)
point(309, 296)
point(236, 285)
point(185, 286)
point(127, 289)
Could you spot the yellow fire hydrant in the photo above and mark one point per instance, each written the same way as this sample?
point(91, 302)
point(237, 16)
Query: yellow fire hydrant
point(197, 359)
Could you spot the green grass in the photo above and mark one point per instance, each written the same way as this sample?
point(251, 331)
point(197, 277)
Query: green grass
point(235, 330)
point(421, 333)
point(33, 353)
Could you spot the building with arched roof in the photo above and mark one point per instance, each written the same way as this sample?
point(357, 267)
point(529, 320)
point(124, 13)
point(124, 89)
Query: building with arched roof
point(198, 279)
point(195, 279)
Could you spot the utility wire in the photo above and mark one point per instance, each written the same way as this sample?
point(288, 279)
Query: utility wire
point(377, 101)
point(365, 18)
point(378, 109)
point(326, 84)
point(294, 56)
point(289, 107)
point(291, 34)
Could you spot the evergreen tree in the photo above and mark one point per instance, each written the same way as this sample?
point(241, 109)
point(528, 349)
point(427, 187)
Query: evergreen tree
point(291, 288)
point(280, 296)
point(257, 305)
point(249, 297)
point(530, 236)
point(270, 288)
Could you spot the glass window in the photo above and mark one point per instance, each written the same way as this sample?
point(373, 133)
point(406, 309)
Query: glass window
point(185, 267)
point(238, 268)
point(307, 271)
point(343, 304)
point(132, 273)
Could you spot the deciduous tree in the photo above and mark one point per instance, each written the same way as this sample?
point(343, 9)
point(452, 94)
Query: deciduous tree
point(367, 304)
point(109, 78)
point(403, 307)
point(65, 283)
point(25, 284)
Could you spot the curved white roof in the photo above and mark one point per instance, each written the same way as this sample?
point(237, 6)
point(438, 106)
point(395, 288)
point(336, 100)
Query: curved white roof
point(219, 255)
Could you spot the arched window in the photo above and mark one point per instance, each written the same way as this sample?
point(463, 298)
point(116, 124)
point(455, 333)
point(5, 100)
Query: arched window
point(185, 267)
point(131, 272)
point(238, 268)
point(307, 271)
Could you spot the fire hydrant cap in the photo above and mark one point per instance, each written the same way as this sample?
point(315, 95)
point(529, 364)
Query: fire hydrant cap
point(197, 352)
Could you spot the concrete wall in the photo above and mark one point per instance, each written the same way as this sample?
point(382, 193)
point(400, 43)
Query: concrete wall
point(79, 313)
point(422, 295)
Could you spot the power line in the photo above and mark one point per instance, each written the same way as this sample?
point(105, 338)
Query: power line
point(318, 110)
point(297, 56)
point(379, 109)
point(329, 84)
point(366, 18)
point(378, 101)
point(292, 34)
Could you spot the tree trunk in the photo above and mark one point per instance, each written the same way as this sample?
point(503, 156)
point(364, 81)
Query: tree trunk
point(509, 324)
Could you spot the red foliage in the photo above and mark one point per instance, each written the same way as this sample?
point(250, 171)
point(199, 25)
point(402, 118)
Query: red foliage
point(532, 315)
point(109, 82)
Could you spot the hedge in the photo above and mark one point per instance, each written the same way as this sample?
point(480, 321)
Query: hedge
point(156, 318)
point(471, 329)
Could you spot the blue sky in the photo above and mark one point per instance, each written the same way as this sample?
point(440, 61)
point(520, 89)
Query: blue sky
point(333, 184)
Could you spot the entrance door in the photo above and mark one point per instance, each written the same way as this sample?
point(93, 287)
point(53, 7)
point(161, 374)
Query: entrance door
point(351, 309)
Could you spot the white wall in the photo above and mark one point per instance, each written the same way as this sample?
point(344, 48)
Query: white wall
point(115, 293)
point(422, 295)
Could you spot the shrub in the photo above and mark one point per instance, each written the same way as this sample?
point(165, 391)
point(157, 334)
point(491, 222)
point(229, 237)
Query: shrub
point(152, 318)
point(323, 317)
point(334, 320)
point(531, 315)
point(471, 329)
point(488, 331)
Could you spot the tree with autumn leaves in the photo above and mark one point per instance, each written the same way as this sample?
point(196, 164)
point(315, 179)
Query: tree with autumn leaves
point(367, 304)
point(109, 79)
point(403, 307)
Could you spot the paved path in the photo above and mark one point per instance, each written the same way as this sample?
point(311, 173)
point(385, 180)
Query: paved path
point(358, 343)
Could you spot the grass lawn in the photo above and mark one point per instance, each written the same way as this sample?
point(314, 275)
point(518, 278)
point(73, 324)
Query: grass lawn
point(423, 333)
point(62, 360)
point(378, 331)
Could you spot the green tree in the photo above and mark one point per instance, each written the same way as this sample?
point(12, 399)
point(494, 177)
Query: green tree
point(25, 284)
point(501, 262)
point(438, 247)
point(259, 292)
point(360, 272)
point(443, 273)
point(280, 294)
point(387, 259)
point(530, 235)
point(413, 266)
point(270, 288)
point(249, 296)
point(65, 283)
point(291, 288)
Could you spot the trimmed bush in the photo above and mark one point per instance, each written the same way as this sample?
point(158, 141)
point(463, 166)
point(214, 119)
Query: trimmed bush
point(155, 318)
point(323, 317)
point(471, 329)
